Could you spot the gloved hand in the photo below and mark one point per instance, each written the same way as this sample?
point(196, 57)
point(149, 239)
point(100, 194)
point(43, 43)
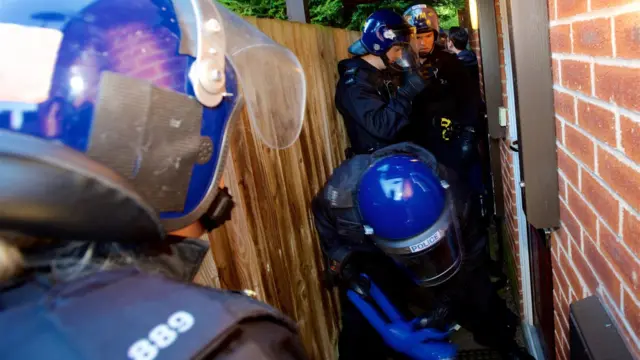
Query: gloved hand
point(399, 334)
point(438, 318)
point(412, 84)
point(339, 271)
point(427, 71)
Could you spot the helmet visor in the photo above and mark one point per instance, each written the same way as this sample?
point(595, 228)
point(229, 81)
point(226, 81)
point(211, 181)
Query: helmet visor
point(432, 257)
point(403, 54)
point(275, 103)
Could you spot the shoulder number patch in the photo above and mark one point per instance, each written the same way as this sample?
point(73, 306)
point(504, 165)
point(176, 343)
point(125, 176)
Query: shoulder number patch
point(161, 336)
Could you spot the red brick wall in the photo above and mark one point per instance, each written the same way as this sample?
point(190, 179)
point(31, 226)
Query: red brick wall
point(596, 68)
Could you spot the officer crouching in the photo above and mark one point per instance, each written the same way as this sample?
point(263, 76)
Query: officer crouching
point(399, 217)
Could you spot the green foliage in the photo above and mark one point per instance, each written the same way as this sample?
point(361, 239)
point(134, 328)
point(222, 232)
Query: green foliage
point(331, 12)
point(327, 13)
point(273, 9)
point(364, 10)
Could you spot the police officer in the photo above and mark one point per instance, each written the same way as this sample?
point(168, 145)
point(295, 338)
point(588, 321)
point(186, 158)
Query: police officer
point(374, 108)
point(390, 216)
point(445, 113)
point(446, 117)
point(117, 134)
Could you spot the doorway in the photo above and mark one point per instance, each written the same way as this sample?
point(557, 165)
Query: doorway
point(517, 21)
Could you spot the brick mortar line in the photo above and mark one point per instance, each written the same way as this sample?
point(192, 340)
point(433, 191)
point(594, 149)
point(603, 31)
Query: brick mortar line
point(562, 298)
point(618, 128)
point(600, 181)
point(602, 13)
point(592, 71)
point(599, 60)
point(633, 297)
point(570, 37)
point(566, 180)
point(619, 241)
point(617, 110)
point(613, 37)
point(592, 269)
point(620, 218)
point(583, 283)
point(611, 150)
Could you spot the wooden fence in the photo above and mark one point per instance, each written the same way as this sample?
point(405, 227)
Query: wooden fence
point(270, 246)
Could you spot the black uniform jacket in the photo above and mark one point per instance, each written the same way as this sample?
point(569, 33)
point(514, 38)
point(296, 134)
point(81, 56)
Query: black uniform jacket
point(373, 111)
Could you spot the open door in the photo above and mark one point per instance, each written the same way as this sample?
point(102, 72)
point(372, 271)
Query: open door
point(533, 142)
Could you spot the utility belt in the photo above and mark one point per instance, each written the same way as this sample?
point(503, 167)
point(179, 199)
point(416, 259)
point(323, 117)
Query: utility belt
point(449, 130)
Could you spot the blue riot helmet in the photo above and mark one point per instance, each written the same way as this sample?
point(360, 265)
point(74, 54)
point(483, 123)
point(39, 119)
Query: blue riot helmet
point(409, 212)
point(387, 35)
point(113, 112)
point(425, 19)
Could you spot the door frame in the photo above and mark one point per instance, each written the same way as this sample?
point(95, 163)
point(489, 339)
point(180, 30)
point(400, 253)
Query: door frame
point(517, 20)
point(528, 327)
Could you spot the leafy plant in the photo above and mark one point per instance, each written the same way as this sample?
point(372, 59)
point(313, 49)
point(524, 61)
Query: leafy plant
point(273, 9)
point(332, 12)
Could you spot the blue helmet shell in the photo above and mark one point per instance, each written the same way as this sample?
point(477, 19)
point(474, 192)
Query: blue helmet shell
point(382, 29)
point(135, 38)
point(400, 197)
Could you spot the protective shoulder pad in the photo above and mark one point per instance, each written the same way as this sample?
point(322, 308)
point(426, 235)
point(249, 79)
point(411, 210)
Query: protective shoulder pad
point(126, 314)
point(343, 183)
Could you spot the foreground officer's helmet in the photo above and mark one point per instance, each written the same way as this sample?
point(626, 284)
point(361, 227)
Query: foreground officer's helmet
point(115, 111)
point(410, 213)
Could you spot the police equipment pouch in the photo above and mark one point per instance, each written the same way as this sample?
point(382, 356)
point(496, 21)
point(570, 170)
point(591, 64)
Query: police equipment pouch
point(220, 210)
point(338, 260)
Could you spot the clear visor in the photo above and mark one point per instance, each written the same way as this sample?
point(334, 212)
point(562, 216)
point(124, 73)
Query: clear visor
point(432, 257)
point(435, 265)
point(271, 77)
point(403, 56)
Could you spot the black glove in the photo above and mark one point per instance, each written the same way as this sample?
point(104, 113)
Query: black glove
point(337, 268)
point(412, 85)
point(427, 71)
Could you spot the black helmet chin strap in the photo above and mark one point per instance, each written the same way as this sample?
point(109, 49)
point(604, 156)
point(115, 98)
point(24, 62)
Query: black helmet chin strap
point(385, 60)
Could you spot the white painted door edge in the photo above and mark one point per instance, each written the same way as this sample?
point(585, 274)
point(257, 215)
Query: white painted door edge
point(529, 331)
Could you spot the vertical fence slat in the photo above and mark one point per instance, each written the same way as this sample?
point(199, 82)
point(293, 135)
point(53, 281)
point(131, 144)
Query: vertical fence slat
point(270, 246)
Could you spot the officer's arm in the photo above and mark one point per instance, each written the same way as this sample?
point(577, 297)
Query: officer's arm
point(381, 119)
point(336, 250)
point(325, 225)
